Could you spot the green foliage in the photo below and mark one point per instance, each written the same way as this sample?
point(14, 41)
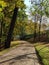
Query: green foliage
point(2, 5)
point(42, 8)
point(47, 11)
point(1, 15)
point(7, 7)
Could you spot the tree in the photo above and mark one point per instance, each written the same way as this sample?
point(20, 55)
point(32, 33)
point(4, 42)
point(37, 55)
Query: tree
point(2, 6)
point(18, 4)
point(34, 13)
point(7, 42)
point(22, 22)
point(41, 7)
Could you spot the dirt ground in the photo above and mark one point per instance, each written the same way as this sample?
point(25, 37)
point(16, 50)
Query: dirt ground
point(24, 54)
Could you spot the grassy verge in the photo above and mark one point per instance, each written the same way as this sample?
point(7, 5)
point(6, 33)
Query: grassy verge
point(13, 45)
point(43, 50)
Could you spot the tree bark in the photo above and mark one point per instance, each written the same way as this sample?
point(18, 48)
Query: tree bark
point(0, 34)
point(40, 27)
point(11, 28)
point(35, 26)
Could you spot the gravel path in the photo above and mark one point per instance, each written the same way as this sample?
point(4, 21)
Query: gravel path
point(24, 54)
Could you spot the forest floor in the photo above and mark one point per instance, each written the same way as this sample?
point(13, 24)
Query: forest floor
point(23, 54)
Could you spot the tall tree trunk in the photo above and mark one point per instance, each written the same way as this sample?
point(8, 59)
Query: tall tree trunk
point(1, 25)
point(35, 32)
point(40, 27)
point(10, 32)
point(35, 29)
point(40, 19)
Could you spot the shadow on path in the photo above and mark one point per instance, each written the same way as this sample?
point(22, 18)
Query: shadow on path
point(22, 57)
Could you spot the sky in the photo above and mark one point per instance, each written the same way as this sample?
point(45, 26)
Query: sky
point(28, 4)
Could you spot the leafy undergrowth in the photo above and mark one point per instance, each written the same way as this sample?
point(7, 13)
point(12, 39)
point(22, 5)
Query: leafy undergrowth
point(43, 50)
point(13, 45)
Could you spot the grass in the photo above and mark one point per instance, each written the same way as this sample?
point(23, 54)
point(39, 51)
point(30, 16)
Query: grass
point(13, 45)
point(43, 50)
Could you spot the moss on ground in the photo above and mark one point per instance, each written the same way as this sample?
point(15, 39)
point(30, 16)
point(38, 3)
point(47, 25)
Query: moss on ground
point(13, 45)
point(43, 50)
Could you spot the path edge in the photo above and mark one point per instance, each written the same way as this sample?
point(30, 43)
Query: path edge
point(39, 57)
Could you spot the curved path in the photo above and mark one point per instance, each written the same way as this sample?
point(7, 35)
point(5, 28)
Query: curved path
point(24, 54)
